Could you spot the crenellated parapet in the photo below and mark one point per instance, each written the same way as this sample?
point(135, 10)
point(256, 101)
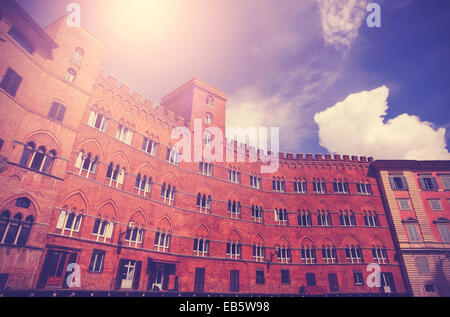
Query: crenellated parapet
point(288, 157)
point(137, 99)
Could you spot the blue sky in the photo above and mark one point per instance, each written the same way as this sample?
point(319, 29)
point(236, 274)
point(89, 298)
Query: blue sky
point(311, 67)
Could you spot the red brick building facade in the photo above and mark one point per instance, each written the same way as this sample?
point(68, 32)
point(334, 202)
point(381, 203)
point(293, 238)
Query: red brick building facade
point(87, 177)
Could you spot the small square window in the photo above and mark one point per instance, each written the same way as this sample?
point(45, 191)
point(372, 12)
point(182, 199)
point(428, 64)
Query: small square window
point(445, 179)
point(404, 204)
point(422, 264)
point(260, 277)
point(435, 204)
point(429, 288)
point(285, 278)
point(11, 82)
point(310, 279)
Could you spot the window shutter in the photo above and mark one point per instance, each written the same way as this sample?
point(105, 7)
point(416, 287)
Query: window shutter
point(53, 110)
point(92, 117)
point(61, 219)
point(109, 230)
point(15, 84)
point(137, 274)
point(79, 160)
point(78, 219)
point(422, 184)
point(377, 220)
point(405, 183)
point(156, 239)
point(104, 124)
point(61, 112)
point(121, 176)
point(129, 137)
point(167, 240)
point(91, 264)
point(391, 180)
point(119, 129)
point(120, 272)
point(435, 185)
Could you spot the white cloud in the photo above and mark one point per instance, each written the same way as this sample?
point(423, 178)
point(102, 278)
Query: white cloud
point(355, 126)
point(341, 20)
point(289, 107)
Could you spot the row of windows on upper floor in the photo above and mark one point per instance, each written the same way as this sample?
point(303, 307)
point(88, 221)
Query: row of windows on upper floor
point(427, 182)
point(70, 224)
point(300, 186)
point(411, 227)
point(39, 160)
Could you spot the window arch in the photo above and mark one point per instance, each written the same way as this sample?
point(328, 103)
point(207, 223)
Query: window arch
point(308, 252)
point(257, 213)
point(324, 218)
point(210, 101)
point(347, 218)
point(162, 240)
point(259, 249)
point(278, 184)
point(371, 219)
point(78, 55)
point(168, 193)
point(15, 230)
point(340, 186)
point(102, 229)
point(234, 246)
point(283, 253)
point(142, 184)
point(70, 75)
point(208, 118)
point(304, 218)
point(149, 145)
point(124, 134)
point(234, 208)
point(69, 221)
point(173, 156)
point(86, 163)
point(281, 216)
point(37, 159)
point(201, 242)
point(329, 254)
point(203, 202)
point(98, 120)
point(115, 175)
point(300, 185)
point(353, 253)
point(134, 234)
point(319, 186)
point(379, 254)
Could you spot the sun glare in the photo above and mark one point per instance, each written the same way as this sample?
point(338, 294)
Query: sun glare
point(141, 18)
